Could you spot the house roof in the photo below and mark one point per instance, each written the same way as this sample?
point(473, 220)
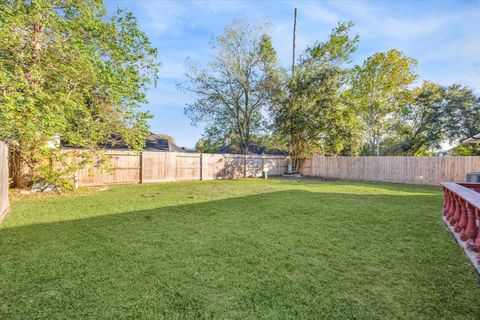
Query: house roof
point(253, 149)
point(153, 142)
point(474, 139)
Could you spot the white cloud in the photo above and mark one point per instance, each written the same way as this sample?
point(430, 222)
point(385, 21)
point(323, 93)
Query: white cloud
point(317, 12)
point(166, 95)
point(409, 30)
point(162, 16)
point(172, 69)
point(357, 8)
point(174, 63)
point(217, 7)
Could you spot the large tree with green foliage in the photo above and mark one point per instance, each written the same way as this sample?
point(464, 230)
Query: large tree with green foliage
point(462, 111)
point(264, 143)
point(437, 114)
point(69, 70)
point(466, 149)
point(309, 105)
point(230, 93)
point(421, 128)
point(380, 89)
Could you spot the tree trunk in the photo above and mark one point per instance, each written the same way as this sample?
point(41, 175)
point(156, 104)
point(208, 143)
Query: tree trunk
point(21, 173)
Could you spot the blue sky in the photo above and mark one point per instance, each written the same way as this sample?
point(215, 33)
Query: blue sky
point(444, 36)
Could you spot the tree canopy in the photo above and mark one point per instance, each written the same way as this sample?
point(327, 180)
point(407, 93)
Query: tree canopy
point(70, 71)
point(308, 105)
point(325, 105)
point(380, 89)
point(437, 114)
point(230, 94)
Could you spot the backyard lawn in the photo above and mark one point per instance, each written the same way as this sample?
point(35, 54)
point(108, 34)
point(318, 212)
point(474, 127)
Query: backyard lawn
point(235, 249)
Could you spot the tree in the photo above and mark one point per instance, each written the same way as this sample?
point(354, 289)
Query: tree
point(466, 149)
point(308, 107)
point(265, 143)
point(205, 145)
point(68, 71)
point(463, 113)
point(381, 91)
point(230, 93)
point(436, 114)
point(423, 127)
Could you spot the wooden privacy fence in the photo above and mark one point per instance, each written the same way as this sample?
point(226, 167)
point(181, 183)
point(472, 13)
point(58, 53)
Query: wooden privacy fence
point(4, 204)
point(412, 170)
point(125, 167)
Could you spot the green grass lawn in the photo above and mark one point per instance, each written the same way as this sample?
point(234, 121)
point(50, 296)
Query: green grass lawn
point(235, 249)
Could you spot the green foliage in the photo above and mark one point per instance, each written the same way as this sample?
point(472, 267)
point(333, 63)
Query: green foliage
point(68, 70)
point(436, 114)
point(463, 112)
point(380, 89)
point(308, 107)
point(465, 149)
point(273, 143)
point(422, 127)
point(267, 143)
point(323, 106)
point(206, 145)
point(230, 94)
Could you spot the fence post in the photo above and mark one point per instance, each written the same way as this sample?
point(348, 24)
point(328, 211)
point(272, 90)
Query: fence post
point(141, 167)
point(74, 162)
point(245, 166)
point(4, 202)
point(263, 164)
point(224, 170)
point(201, 166)
point(171, 166)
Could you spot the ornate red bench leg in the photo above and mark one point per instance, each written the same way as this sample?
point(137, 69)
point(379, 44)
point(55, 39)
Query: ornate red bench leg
point(455, 210)
point(451, 207)
point(462, 224)
point(458, 214)
point(444, 204)
point(447, 202)
point(471, 231)
point(474, 244)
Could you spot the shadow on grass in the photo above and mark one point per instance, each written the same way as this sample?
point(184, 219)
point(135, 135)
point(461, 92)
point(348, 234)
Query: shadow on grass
point(291, 253)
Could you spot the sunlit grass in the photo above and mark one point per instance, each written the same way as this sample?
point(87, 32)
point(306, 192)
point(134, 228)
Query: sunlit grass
point(235, 249)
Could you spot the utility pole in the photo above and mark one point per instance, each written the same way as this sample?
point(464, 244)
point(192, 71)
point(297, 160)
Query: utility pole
point(294, 34)
point(289, 168)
